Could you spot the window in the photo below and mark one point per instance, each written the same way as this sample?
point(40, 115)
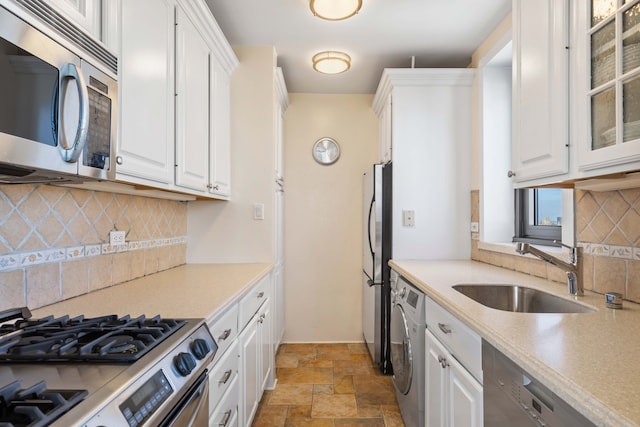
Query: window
point(538, 215)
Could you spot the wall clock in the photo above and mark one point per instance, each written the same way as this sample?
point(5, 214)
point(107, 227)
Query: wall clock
point(326, 151)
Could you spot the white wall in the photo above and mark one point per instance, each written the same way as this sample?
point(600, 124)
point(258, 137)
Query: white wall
point(323, 211)
point(226, 231)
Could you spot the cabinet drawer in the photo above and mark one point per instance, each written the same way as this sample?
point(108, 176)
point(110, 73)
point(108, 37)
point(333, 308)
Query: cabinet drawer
point(463, 343)
point(225, 329)
point(226, 412)
point(251, 302)
point(222, 375)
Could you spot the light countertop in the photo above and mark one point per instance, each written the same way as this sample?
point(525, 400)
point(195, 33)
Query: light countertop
point(590, 360)
point(188, 291)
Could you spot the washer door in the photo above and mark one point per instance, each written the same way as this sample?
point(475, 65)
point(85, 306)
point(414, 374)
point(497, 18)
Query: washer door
point(401, 354)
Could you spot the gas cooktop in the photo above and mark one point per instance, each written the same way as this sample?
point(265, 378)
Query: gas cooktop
point(109, 339)
point(61, 371)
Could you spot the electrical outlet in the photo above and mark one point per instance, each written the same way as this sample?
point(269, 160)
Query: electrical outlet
point(116, 238)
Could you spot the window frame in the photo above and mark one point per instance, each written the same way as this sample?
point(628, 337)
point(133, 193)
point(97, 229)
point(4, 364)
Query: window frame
point(524, 231)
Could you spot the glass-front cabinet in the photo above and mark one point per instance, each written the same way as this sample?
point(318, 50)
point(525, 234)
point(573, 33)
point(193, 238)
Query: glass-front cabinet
point(608, 91)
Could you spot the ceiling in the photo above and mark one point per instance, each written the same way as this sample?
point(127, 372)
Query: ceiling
point(384, 34)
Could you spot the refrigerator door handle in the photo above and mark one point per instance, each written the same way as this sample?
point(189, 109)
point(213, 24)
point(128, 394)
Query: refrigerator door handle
point(369, 225)
point(372, 283)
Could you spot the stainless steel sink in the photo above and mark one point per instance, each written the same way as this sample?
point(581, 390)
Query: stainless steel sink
point(519, 299)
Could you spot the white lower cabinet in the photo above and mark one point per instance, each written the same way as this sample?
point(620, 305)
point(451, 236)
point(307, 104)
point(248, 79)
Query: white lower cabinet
point(222, 375)
point(249, 375)
point(453, 396)
point(256, 349)
point(226, 412)
point(453, 370)
point(256, 361)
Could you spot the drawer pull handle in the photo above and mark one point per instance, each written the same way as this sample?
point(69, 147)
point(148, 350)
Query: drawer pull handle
point(444, 328)
point(225, 377)
point(225, 419)
point(261, 294)
point(225, 334)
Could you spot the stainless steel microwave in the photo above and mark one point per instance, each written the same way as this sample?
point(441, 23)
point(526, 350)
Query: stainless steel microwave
point(57, 111)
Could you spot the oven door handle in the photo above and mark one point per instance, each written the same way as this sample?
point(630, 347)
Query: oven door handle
point(191, 405)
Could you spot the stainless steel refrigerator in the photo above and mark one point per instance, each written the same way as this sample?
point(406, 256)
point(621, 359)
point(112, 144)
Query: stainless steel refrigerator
point(375, 271)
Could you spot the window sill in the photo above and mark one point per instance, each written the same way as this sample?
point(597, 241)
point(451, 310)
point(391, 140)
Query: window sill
point(509, 248)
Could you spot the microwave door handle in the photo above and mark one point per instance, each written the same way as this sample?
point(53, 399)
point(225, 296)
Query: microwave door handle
point(71, 153)
point(54, 111)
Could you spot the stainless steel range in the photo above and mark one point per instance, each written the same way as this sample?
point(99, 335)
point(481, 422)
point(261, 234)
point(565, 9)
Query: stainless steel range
point(104, 371)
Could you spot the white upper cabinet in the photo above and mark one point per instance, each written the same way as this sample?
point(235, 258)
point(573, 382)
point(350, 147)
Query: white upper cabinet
point(175, 98)
point(220, 128)
point(192, 105)
point(607, 100)
point(85, 13)
point(146, 83)
point(384, 130)
point(540, 90)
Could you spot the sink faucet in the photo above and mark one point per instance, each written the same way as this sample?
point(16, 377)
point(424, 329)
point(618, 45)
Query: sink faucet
point(572, 268)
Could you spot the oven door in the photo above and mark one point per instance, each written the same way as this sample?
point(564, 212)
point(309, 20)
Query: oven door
point(193, 407)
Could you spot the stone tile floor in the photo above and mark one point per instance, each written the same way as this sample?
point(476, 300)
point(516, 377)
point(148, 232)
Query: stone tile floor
point(328, 385)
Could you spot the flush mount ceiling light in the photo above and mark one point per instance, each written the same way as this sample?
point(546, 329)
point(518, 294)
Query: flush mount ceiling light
point(335, 10)
point(331, 62)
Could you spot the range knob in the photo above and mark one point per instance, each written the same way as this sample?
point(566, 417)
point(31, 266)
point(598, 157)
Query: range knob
point(184, 363)
point(200, 348)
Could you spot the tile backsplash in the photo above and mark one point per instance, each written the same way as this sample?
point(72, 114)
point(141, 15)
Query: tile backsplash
point(607, 227)
point(54, 241)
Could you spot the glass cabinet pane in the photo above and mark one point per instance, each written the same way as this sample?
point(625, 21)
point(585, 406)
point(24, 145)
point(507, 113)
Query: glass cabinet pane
point(603, 119)
point(603, 58)
point(631, 38)
point(601, 9)
point(631, 109)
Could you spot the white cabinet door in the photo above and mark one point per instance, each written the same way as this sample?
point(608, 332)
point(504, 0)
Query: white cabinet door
point(249, 372)
point(453, 397)
point(192, 105)
point(265, 339)
point(465, 397)
point(278, 306)
point(606, 107)
point(85, 13)
point(146, 84)
point(435, 383)
point(540, 89)
point(220, 129)
point(385, 138)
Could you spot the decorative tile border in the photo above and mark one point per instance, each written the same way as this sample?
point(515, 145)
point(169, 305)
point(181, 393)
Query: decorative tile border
point(614, 251)
point(13, 261)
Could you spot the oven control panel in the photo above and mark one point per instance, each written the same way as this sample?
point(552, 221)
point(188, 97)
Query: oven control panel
point(144, 401)
point(160, 387)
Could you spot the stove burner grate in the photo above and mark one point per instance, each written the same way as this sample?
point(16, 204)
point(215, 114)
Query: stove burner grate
point(35, 406)
point(79, 339)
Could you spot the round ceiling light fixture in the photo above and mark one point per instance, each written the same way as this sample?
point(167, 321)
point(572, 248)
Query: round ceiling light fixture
point(335, 10)
point(331, 62)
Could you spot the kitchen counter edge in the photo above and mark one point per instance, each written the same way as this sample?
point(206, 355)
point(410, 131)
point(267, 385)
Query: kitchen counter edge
point(187, 291)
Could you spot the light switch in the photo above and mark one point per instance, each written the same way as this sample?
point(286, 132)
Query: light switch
point(475, 227)
point(258, 211)
point(408, 218)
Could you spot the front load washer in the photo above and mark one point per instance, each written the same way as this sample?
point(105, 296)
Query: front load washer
point(407, 349)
